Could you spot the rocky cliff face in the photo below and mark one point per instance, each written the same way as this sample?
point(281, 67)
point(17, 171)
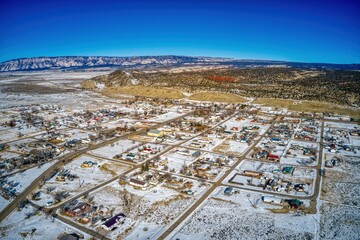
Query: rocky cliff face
point(43, 63)
point(48, 63)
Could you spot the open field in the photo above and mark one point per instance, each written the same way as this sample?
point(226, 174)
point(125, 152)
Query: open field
point(217, 97)
point(143, 92)
point(243, 216)
point(308, 106)
point(30, 223)
point(339, 221)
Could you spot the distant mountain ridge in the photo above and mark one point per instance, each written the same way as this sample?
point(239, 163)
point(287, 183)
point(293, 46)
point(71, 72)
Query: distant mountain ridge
point(84, 62)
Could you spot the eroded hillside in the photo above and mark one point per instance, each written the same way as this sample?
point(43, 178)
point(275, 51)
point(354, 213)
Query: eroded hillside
point(334, 86)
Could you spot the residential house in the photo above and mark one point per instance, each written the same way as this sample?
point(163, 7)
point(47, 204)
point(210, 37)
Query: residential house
point(138, 183)
point(272, 200)
point(228, 191)
point(112, 222)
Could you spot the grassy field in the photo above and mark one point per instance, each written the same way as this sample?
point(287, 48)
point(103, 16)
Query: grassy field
point(88, 84)
point(144, 92)
point(217, 97)
point(309, 106)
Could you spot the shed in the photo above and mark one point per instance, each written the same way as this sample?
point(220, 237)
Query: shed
point(271, 200)
point(196, 154)
point(138, 183)
point(294, 203)
point(228, 191)
point(288, 169)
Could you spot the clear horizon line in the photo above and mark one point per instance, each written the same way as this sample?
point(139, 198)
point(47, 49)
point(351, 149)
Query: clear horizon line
point(194, 56)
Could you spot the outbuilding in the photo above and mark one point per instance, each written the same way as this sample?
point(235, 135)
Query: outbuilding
point(271, 200)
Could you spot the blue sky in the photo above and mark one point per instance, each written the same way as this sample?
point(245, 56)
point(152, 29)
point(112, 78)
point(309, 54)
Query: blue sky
point(324, 31)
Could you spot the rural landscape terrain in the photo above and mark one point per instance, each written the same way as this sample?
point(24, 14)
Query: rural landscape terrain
point(174, 147)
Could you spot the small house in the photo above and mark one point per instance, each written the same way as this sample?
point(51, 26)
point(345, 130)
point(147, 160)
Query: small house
point(228, 191)
point(138, 183)
point(274, 139)
point(196, 154)
point(204, 167)
point(273, 157)
point(112, 222)
point(78, 209)
point(294, 203)
point(2, 147)
point(288, 170)
point(271, 200)
point(130, 156)
point(250, 173)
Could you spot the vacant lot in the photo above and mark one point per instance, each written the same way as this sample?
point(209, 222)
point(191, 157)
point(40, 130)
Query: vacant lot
point(143, 92)
point(17, 88)
point(217, 97)
point(339, 222)
point(221, 219)
point(308, 106)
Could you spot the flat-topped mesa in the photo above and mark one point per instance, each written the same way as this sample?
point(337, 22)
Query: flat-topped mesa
point(88, 62)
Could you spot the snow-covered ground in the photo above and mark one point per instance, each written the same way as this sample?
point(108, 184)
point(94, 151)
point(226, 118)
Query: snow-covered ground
point(27, 177)
point(207, 143)
point(243, 216)
point(88, 177)
point(341, 125)
point(148, 212)
point(23, 180)
point(299, 175)
point(275, 148)
point(119, 122)
point(58, 81)
point(178, 158)
point(79, 134)
point(297, 157)
point(13, 133)
point(8, 155)
point(144, 152)
point(245, 122)
point(238, 147)
point(165, 117)
point(18, 226)
point(118, 147)
point(339, 206)
point(3, 202)
point(339, 221)
point(7, 135)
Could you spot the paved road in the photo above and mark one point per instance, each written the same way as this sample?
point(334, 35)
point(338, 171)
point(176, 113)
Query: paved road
point(69, 222)
point(138, 166)
point(209, 191)
point(66, 159)
point(93, 233)
point(318, 167)
point(22, 196)
point(198, 203)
